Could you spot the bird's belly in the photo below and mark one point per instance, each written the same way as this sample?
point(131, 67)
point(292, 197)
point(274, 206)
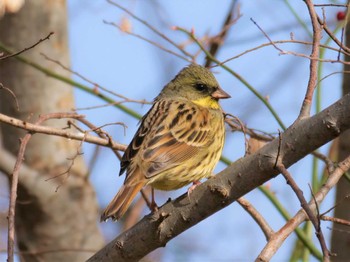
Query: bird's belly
point(172, 180)
point(179, 176)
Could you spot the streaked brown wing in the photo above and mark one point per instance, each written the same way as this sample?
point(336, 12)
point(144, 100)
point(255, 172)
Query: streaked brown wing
point(180, 136)
point(147, 124)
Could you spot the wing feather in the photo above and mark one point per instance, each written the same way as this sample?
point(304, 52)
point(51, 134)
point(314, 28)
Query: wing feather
point(186, 133)
point(170, 133)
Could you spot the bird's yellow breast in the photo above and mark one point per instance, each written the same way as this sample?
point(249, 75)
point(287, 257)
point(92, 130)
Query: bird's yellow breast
point(207, 102)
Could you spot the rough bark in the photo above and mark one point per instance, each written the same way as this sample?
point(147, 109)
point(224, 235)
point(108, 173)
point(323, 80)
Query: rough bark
point(155, 230)
point(50, 225)
point(340, 237)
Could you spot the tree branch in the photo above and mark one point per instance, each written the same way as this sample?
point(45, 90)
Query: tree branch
point(27, 48)
point(258, 218)
point(60, 132)
point(176, 216)
point(312, 217)
point(279, 237)
point(317, 34)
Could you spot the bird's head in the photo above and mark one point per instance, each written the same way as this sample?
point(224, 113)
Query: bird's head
point(196, 84)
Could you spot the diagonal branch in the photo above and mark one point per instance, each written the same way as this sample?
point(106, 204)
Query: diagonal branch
point(279, 237)
point(176, 216)
point(258, 218)
point(313, 218)
point(27, 48)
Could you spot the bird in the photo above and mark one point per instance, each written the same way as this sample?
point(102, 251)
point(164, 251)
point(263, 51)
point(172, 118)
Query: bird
point(179, 140)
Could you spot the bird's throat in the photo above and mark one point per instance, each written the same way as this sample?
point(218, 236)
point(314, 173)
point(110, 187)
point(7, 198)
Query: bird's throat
point(207, 102)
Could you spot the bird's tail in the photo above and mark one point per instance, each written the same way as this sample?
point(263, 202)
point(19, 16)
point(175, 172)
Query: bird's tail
point(122, 201)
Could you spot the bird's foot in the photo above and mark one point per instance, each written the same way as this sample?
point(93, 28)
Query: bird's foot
point(191, 188)
point(153, 205)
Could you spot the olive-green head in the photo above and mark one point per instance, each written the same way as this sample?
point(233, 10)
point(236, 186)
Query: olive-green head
point(196, 84)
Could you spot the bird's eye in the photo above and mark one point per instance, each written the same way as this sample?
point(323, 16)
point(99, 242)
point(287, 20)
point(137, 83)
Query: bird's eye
point(201, 87)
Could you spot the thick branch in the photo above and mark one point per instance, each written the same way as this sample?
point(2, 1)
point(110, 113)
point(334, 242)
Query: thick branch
point(156, 229)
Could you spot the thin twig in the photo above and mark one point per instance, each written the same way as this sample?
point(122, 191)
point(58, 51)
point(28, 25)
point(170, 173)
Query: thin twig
point(329, 163)
point(151, 28)
point(150, 42)
point(333, 207)
point(272, 246)
point(236, 125)
point(336, 220)
point(69, 81)
point(331, 35)
point(218, 41)
point(258, 218)
point(330, 5)
point(281, 42)
point(12, 94)
point(267, 36)
point(67, 172)
point(331, 74)
point(95, 85)
point(142, 101)
point(27, 48)
point(103, 134)
point(92, 163)
point(13, 197)
point(281, 168)
point(242, 127)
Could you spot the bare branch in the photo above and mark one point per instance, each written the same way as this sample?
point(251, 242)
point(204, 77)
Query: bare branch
point(151, 42)
point(331, 35)
point(176, 216)
point(313, 218)
point(95, 85)
point(13, 197)
point(27, 48)
point(279, 237)
point(316, 38)
point(331, 5)
point(259, 219)
point(218, 40)
point(285, 52)
point(151, 28)
point(336, 220)
point(12, 94)
point(267, 36)
point(59, 132)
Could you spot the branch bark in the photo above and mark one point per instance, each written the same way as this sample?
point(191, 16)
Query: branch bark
point(176, 216)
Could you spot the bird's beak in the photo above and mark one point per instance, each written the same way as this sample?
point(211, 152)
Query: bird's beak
point(220, 94)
